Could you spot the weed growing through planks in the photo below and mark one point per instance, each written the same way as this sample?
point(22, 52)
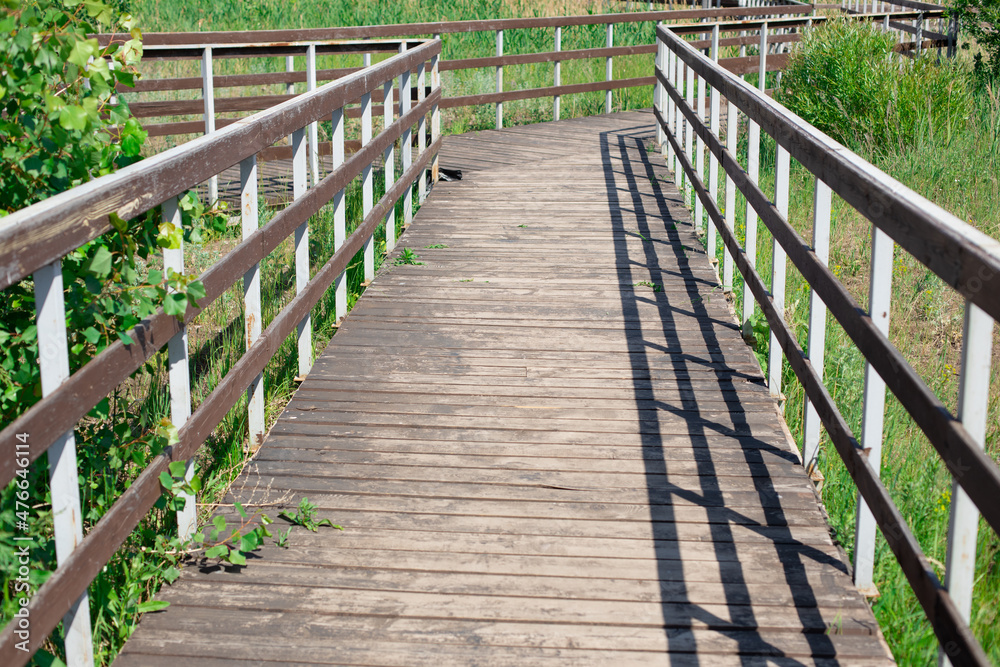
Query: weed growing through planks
point(436, 246)
point(305, 516)
point(407, 256)
point(656, 287)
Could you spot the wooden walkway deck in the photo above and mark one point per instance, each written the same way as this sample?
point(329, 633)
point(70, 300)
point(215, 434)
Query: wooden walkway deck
point(548, 444)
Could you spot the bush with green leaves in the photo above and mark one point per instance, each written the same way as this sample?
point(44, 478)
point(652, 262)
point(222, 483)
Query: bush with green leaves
point(63, 124)
point(844, 79)
point(981, 20)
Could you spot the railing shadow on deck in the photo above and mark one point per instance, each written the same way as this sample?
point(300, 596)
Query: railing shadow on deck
point(962, 256)
point(680, 617)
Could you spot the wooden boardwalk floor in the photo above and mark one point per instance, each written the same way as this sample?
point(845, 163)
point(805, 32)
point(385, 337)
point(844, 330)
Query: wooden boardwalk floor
point(547, 443)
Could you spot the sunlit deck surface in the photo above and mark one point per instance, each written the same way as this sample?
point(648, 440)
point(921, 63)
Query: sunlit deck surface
point(547, 444)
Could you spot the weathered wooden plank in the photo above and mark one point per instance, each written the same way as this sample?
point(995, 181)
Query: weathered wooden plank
point(498, 608)
point(283, 487)
point(440, 631)
point(555, 465)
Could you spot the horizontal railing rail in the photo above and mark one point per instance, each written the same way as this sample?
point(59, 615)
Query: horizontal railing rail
point(207, 46)
point(221, 105)
point(33, 242)
point(964, 258)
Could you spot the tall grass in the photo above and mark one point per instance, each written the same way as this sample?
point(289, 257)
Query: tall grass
point(878, 103)
point(203, 15)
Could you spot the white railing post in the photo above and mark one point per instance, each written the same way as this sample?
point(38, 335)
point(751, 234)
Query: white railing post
point(732, 134)
point(879, 293)
point(178, 373)
point(699, 208)
point(679, 176)
point(421, 133)
point(299, 186)
point(668, 104)
point(64, 484)
point(499, 78)
point(753, 171)
point(659, 94)
point(435, 110)
point(782, 164)
point(339, 208)
point(406, 141)
point(367, 193)
point(713, 163)
point(389, 163)
point(608, 75)
point(289, 67)
point(251, 295)
point(689, 89)
point(918, 23)
point(973, 411)
point(208, 95)
point(557, 74)
point(313, 127)
point(816, 346)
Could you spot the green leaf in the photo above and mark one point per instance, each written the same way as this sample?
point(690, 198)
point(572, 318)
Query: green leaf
point(54, 103)
point(155, 277)
point(73, 117)
point(178, 468)
point(101, 410)
point(81, 51)
point(196, 290)
point(239, 508)
point(92, 335)
point(166, 481)
point(249, 542)
point(100, 262)
point(125, 338)
point(170, 574)
point(45, 659)
point(99, 11)
point(218, 551)
point(175, 304)
point(152, 605)
point(125, 78)
point(219, 522)
point(170, 236)
point(237, 558)
point(116, 222)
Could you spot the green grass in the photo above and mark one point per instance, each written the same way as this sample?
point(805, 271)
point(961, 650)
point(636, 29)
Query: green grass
point(172, 15)
point(946, 149)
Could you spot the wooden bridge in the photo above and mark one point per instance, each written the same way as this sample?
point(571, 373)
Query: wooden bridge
point(547, 443)
point(540, 426)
